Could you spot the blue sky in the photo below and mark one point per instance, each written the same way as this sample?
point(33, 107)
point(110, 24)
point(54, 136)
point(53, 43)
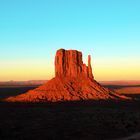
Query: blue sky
point(32, 30)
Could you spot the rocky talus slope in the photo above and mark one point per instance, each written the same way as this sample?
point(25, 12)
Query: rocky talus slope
point(73, 81)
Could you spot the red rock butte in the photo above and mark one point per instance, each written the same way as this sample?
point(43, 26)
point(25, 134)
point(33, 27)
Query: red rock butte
point(73, 81)
point(68, 63)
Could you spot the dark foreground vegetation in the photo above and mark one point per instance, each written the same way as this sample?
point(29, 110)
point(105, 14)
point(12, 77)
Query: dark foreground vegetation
point(84, 120)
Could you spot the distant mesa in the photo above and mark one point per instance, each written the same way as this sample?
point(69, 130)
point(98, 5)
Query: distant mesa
point(22, 83)
point(73, 81)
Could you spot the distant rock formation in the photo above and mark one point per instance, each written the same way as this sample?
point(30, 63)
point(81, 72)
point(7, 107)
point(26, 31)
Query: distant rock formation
point(73, 81)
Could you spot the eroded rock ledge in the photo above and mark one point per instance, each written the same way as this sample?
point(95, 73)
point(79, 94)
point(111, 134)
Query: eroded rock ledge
point(68, 63)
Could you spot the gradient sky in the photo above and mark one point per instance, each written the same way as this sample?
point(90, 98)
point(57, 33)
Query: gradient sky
point(32, 30)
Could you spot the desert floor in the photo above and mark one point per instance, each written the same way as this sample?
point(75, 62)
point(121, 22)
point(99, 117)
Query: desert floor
point(84, 120)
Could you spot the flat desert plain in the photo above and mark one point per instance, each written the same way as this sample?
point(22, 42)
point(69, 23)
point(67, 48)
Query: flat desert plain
point(84, 120)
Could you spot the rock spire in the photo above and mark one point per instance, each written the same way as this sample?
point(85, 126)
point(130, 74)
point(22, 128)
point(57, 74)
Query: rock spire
point(68, 63)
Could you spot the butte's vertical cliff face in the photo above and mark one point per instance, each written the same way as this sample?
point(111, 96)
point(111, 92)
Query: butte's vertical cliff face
point(73, 81)
point(68, 63)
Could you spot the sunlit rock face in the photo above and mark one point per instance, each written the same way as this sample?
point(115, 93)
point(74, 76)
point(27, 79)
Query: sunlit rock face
point(68, 63)
point(73, 81)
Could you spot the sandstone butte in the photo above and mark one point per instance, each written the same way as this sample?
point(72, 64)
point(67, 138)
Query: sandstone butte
point(73, 81)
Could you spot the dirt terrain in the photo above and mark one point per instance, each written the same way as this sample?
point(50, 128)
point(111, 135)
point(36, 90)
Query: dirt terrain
point(88, 120)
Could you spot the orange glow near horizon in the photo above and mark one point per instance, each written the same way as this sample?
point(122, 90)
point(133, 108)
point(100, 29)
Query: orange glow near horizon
point(104, 69)
point(119, 69)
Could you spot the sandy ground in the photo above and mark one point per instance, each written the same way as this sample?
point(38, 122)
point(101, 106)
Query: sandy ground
point(132, 137)
point(71, 121)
